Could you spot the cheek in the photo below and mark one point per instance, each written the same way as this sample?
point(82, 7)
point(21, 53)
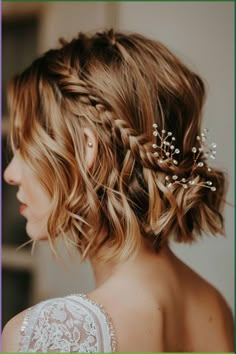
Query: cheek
point(38, 198)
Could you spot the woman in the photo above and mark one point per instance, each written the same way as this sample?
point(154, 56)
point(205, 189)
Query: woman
point(109, 154)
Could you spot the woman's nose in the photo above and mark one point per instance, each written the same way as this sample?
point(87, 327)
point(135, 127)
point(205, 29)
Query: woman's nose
point(12, 172)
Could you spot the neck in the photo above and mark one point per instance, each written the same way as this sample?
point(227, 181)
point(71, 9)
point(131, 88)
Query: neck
point(139, 266)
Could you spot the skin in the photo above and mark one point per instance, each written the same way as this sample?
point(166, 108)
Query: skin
point(34, 201)
point(169, 307)
point(156, 302)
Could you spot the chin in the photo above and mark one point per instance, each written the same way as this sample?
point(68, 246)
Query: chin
point(35, 232)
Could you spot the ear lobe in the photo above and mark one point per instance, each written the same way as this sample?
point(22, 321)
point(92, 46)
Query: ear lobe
point(91, 147)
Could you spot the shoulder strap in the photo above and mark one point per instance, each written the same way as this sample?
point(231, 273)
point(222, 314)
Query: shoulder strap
point(70, 324)
point(103, 322)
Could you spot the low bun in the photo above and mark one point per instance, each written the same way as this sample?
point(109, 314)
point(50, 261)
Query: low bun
point(191, 194)
point(199, 208)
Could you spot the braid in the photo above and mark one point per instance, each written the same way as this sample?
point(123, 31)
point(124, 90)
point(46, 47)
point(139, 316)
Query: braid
point(140, 145)
point(67, 78)
point(70, 84)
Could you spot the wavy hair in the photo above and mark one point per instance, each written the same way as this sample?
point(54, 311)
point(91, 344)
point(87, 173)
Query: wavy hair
point(118, 85)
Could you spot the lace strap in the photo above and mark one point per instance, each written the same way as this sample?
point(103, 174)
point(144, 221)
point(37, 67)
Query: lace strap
point(30, 318)
point(110, 341)
point(70, 324)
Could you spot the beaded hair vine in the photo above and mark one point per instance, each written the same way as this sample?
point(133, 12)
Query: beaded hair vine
point(167, 152)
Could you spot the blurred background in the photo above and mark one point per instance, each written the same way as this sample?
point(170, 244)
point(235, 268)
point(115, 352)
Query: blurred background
point(202, 34)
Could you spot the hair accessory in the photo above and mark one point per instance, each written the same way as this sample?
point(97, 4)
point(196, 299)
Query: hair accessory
point(168, 153)
point(90, 144)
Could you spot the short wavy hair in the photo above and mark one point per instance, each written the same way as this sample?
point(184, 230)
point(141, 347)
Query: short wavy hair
point(118, 85)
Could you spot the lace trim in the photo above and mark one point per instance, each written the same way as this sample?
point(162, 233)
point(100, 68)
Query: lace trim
point(31, 317)
point(29, 321)
point(107, 317)
point(23, 328)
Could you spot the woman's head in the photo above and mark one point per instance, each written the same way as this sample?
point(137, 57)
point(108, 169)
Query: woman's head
point(111, 88)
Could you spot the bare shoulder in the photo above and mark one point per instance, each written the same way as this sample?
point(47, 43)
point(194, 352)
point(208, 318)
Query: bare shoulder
point(220, 318)
point(213, 316)
point(134, 320)
point(212, 299)
point(12, 333)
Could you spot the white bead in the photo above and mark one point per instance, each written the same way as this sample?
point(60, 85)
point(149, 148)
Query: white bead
point(163, 131)
point(155, 133)
point(169, 133)
point(155, 153)
point(172, 147)
point(177, 151)
point(154, 146)
point(175, 162)
point(213, 189)
point(174, 177)
point(200, 164)
point(209, 183)
point(155, 125)
point(194, 149)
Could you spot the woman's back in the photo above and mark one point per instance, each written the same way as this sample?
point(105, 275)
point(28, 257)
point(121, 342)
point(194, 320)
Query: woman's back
point(160, 305)
point(170, 309)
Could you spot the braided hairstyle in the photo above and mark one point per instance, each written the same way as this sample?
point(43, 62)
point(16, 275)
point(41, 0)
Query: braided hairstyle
point(118, 85)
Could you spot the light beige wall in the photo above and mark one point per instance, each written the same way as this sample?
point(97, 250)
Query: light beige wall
point(202, 34)
point(66, 19)
point(59, 277)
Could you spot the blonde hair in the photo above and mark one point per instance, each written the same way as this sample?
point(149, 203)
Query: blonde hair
point(118, 85)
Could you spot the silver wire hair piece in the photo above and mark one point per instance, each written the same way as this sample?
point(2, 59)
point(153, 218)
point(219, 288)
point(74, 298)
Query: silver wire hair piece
point(167, 152)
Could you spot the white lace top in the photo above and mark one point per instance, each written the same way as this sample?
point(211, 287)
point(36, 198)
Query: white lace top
point(69, 324)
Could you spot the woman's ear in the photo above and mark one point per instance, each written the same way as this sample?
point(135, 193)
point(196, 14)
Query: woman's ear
point(91, 147)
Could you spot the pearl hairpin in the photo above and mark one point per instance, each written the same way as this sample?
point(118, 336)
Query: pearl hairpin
point(167, 152)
